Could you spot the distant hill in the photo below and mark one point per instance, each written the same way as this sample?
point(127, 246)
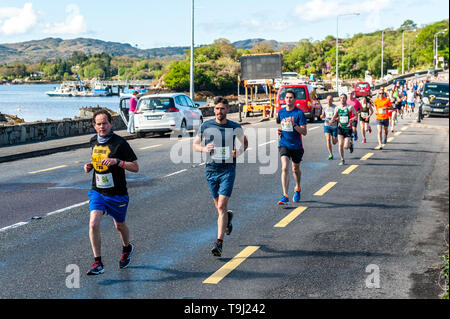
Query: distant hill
point(54, 48)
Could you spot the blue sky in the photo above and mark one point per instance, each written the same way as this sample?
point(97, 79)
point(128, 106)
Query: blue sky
point(151, 23)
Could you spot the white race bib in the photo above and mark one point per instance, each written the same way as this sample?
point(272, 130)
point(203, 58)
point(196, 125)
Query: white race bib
point(364, 114)
point(329, 114)
point(221, 153)
point(343, 119)
point(382, 111)
point(104, 180)
point(287, 126)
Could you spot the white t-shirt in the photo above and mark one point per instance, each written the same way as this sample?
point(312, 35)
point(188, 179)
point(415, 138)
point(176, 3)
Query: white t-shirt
point(410, 97)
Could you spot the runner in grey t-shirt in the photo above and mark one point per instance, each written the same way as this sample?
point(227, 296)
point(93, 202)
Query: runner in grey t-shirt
point(330, 130)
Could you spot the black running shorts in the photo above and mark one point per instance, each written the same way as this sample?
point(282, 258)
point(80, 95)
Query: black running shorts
point(295, 155)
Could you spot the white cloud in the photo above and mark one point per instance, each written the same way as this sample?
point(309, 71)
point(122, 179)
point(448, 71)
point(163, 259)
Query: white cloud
point(17, 20)
point(74, 23)
point(323, 9)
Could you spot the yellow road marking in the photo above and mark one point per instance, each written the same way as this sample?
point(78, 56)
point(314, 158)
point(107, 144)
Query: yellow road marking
point(151, 146)
point(378, 147)
point(47, 169)
point(397, 133)
point(325, 189)
point(366, 157)
point(350, 169)
point(390, 139)
point(231, 265)
point(404, 128)
point(293, 215)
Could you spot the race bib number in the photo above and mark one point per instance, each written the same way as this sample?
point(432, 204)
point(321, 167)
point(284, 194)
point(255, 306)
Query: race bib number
point(104, 180)
point(286, 126)
point(329, 114)
point(221, 153)
point(343, 119)
point(382, 111)
point(364, 114)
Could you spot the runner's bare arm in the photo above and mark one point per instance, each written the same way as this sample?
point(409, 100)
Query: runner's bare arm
point(244, 142)
point(88, 167)
point(198, 147)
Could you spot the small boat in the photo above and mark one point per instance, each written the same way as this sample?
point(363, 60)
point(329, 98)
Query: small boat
point(60, 92)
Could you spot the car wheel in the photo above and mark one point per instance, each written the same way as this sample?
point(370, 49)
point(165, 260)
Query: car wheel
point(182, 131)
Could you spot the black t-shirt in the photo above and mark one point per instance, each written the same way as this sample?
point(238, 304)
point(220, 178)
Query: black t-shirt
point(111, 180)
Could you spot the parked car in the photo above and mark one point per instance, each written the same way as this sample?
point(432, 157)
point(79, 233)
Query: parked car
point(362, 89)
point(164, 113)
point(303, 100)
point(435, 99)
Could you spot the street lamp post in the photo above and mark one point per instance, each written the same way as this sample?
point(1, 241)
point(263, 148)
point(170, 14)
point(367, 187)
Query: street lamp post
point(337, 45)
point(403, 49)
point(191, 88)
point(436, 42)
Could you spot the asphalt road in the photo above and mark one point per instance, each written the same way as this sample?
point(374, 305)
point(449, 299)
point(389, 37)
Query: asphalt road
point(383, 217)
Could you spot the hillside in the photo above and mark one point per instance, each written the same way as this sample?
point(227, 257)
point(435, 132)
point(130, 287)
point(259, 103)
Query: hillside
point(55, 48)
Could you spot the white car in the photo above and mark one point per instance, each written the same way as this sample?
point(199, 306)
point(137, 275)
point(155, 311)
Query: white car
point(166, 113)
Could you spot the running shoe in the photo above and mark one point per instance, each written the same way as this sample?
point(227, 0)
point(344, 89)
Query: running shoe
point(96, 269)
point(330, 157)
point(125, 260)
point(385, 140)
point(284, 200)
point(297, 196)
point(364, 140)
point(229, 228)
point(217, 249)
point(342, 162)
point(355, 137)
point(351, 147)
point(370, 130)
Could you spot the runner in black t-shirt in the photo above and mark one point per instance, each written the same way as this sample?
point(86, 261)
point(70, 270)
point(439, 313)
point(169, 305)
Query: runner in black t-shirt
point(111, 156)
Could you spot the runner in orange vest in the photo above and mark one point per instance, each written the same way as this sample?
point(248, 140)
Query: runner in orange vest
point(382, 105)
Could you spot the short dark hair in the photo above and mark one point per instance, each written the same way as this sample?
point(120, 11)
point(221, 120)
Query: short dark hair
point(344, 95)
point(290, 91)
point(105, 112)
point(220, 99)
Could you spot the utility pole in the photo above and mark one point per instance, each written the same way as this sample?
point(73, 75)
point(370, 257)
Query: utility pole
point(191, 89)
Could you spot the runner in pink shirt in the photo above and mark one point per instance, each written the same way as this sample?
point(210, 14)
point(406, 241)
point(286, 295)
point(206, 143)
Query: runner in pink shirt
point(353, 101)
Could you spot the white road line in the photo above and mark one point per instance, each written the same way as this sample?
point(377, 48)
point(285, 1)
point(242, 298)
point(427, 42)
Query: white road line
point(266, 143)
point(179, 172)
point(48, 214)
point(67, 208)
point(13, 226)
point(313, 128)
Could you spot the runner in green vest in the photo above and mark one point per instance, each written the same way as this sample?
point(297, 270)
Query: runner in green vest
point(342, 115)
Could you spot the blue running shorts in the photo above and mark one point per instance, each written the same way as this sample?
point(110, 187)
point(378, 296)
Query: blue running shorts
point(115, 206)
point(221, 182)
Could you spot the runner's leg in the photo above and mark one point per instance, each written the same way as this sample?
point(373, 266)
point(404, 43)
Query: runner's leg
point(285, 174)
point(222, 219)
point(94, 232)
point(124, 232)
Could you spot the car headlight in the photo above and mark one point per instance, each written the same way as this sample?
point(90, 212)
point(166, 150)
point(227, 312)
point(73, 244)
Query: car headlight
point(426, 100)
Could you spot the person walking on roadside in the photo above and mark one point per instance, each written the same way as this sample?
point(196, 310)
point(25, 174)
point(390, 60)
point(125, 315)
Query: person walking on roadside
point(290, 146)
point(132, 112)
point(329, 130)
point(382, 105)
point(410, 99)
point(111, 157)
point(219, 136)
point(343, 115)
point(364, 117)
point(353, 101)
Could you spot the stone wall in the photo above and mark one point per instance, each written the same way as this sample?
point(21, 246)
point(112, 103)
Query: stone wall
point(41, 131)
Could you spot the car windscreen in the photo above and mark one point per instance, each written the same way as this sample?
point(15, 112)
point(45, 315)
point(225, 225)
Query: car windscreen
point(160, 103)
point(300, 93)
point(440, 90)
point(362, 86)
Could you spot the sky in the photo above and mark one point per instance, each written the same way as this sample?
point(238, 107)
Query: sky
point(151, 23)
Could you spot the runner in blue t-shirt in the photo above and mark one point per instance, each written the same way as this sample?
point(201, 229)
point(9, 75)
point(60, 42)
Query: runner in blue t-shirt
point(293, 126)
